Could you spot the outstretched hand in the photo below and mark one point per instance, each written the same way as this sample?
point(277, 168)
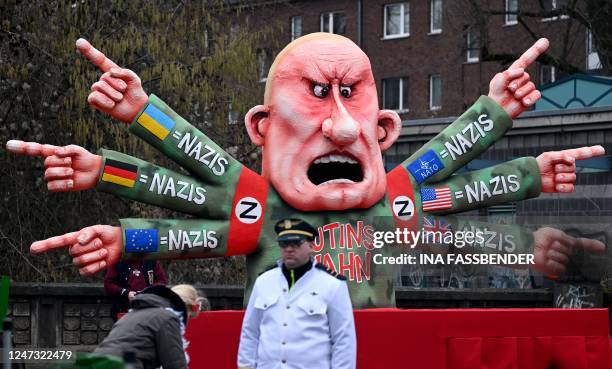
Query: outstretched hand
point(513, 89)
point(119, 92)
point(558, 168)
point(67, 168)
point(553, 247)
point(92, 249)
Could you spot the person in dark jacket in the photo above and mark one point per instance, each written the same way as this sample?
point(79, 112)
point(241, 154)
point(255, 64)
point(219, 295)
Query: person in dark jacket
point(129, 277)
point(153, 329)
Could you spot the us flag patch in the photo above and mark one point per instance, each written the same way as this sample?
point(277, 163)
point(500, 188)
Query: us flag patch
point(438, 198)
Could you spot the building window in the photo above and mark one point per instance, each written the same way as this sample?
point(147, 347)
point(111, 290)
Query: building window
point(264, 58)
point(435, 92)
point(548, 74)
point(473, 45)
point(333, 23)
point(395, 94)
point(435, 16)
point(552, 5)
point(397, 20)
point(511, 7)
point(593, 61)
point(296, 27)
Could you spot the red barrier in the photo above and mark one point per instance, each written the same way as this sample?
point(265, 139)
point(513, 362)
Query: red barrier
point(442, 339)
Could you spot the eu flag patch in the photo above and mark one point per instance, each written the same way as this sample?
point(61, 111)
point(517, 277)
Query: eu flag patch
point(141, 240)
point(425, 166)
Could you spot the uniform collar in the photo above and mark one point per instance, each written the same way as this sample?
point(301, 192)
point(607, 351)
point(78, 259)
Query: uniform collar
point(293, 275)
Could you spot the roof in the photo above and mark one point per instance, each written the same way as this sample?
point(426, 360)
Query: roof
point(576, 91)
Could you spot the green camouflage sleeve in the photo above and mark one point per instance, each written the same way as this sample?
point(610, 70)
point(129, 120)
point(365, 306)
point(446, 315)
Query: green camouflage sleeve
point(174, 239)
point(477, 237)
point(514, 180)
point(136, 179)
point(168, 132)
point(467, 137)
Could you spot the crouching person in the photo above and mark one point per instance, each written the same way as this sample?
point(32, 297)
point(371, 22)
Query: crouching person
point(154, 328)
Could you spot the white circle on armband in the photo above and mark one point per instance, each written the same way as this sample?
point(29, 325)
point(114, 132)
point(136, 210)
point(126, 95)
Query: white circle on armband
point(248, 210)
point(403, 207)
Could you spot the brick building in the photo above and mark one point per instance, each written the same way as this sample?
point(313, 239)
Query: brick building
point(427, 59)
point(426, 54)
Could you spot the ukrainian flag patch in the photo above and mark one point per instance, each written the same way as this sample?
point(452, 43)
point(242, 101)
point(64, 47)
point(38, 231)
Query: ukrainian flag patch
point(156, 122)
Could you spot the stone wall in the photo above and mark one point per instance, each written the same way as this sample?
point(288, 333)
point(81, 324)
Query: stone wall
point(77, 316)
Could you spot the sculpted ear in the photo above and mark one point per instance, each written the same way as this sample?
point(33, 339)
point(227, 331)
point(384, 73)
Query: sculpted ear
point(389, 126)
point(256, 122)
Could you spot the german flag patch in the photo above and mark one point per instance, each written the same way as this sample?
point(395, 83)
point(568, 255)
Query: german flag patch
point(117, 172)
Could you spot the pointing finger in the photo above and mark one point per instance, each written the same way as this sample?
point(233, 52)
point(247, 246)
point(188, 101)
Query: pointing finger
point(591, 245)
point(582, 153)
point(30, 148)
point(53, 243)
point(94, 55)
point(531, 54)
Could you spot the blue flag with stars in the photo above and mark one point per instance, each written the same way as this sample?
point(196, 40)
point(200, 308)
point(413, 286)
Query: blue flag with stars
point(425, 166)
point(141, 240)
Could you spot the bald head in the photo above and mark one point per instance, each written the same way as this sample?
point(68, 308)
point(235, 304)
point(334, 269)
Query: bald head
point(316, 51)
point(320, 127)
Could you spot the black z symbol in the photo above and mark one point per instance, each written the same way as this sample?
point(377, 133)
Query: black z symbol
point(405, 204)
point(245, 213)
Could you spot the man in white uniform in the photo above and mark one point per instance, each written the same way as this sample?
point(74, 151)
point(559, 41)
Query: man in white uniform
point(299, 315)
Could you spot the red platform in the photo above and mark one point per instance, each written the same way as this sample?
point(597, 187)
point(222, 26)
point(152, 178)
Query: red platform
point(442, 339)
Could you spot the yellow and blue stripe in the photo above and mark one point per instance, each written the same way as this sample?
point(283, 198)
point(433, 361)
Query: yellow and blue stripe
point(156, 122)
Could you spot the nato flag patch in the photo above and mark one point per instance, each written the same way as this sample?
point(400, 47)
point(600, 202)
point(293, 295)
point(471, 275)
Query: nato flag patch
point(425, 166)
point(141, 240)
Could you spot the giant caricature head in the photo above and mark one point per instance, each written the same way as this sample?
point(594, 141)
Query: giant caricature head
point(320, 127)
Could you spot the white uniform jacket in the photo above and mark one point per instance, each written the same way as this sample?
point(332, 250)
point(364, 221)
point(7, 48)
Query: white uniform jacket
point(309, 327)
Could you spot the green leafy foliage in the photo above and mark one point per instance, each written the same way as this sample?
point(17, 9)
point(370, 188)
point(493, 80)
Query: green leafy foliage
point(188, 52)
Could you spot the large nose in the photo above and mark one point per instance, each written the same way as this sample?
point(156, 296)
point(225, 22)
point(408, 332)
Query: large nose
point(341, 128)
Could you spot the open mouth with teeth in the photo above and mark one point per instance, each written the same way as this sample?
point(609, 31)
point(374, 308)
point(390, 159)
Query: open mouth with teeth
point(335, 168)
